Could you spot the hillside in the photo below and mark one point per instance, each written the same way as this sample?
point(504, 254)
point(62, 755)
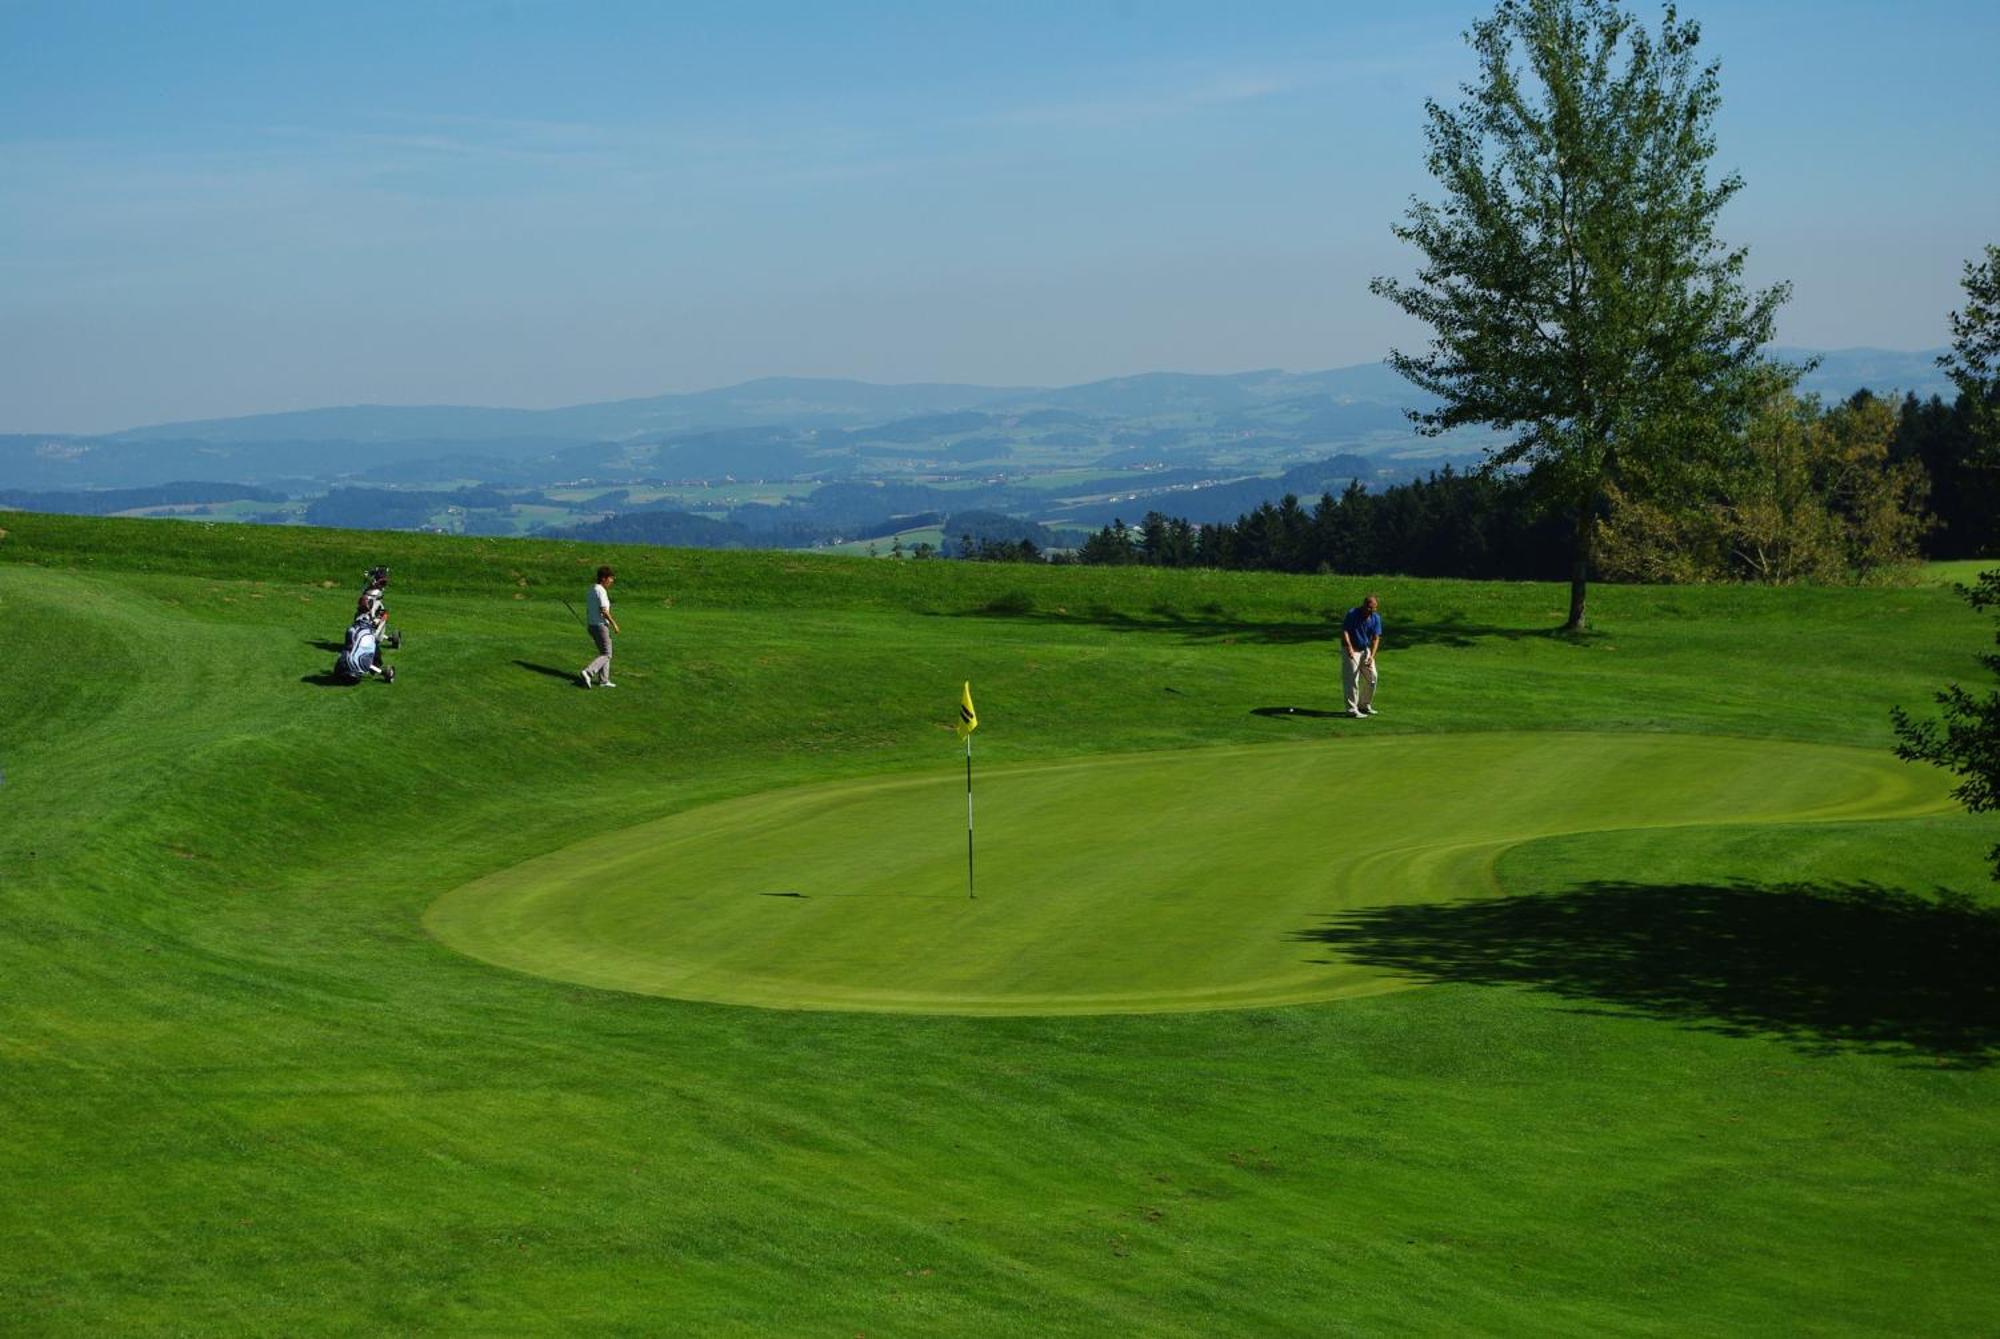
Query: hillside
point(794, 462)
point(767, 401)
point(1683, 1077)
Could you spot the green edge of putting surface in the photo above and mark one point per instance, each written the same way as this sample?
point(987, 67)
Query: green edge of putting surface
point(1120, 884)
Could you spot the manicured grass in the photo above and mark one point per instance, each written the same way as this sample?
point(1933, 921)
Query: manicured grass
point(1726, 1078)
point(1959, 571)
point(1167, 880)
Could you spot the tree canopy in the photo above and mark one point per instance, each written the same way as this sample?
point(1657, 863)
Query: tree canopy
point(1966, 737)
point(1973, 362)
point(1819, 495)
point(1576, 289)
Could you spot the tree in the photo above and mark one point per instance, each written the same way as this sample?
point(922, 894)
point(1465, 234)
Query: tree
point(1577, 293)
point(1967, 738)
point(1973, 363)
point(1112, 546)
point(1449, 524)
point(1818, 495)
point(1821, 499)
point(1943, 440)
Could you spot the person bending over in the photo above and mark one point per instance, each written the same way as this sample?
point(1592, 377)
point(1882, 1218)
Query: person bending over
point(1360, 639)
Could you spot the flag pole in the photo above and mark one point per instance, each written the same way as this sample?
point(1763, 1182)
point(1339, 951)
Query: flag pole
point(968, 721)
point(968, 816)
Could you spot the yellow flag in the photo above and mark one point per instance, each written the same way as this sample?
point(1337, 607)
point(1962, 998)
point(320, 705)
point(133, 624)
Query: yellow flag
point(968, 719)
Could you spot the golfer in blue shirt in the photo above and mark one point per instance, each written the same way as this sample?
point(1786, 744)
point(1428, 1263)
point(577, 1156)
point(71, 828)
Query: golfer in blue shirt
point(1360, 639)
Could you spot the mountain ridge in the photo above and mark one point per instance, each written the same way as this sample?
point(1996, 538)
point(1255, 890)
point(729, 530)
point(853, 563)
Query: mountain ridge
point(848, 402)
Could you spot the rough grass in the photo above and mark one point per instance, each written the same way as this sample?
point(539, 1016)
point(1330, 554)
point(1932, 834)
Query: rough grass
point(1677, 1086)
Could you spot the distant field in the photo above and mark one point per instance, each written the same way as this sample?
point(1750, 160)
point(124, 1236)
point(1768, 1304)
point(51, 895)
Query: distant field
point(882, 546)
point(233, 512)
point(1647, 993)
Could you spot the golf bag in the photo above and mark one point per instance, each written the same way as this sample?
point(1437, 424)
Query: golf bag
point(362, 656)
point(370, 606)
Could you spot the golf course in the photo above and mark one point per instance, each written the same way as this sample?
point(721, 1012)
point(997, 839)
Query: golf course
point(1616, 983)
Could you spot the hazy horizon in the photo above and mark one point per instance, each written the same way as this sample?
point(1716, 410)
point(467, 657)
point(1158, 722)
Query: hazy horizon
point(998, 387)
point(221, 210)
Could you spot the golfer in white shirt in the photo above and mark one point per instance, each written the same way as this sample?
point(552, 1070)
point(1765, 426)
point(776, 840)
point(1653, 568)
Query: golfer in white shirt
point(597, 674)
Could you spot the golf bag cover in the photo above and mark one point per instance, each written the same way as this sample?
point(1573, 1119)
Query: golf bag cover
point(357, 659)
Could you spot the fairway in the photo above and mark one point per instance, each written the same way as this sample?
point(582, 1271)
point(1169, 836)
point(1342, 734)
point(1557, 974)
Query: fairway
point(1631, 984)
point(1175, 880)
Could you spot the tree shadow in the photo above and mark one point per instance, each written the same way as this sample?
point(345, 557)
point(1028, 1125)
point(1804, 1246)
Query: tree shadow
point(1309, 713)
point(1826, 967)
point(1215, 625)
point(550, 670)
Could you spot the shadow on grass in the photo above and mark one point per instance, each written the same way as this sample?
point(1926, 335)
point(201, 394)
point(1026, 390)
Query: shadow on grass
point(1213, 624)
point(568, 676)
point(335, 647)
point(327, 679)
point(1826, 967)
point(1310, 713)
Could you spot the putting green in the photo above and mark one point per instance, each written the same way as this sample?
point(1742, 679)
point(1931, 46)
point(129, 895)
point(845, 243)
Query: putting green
point(1159, 881)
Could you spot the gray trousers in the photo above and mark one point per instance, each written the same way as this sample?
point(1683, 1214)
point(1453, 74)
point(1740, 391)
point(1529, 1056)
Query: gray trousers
point(600, 668)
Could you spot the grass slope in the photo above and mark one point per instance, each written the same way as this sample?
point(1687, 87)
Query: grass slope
point(1684, 1081)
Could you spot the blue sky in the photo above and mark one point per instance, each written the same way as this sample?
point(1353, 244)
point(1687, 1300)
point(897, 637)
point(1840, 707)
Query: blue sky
point(212, 209)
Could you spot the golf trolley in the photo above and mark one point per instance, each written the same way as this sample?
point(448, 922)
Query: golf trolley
point(368, 636)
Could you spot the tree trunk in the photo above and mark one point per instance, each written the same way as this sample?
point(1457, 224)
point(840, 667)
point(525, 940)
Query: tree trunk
point(1579, 572)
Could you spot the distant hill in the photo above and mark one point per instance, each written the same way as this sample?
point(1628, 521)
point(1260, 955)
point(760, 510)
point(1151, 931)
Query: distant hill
point(1223, 501)
point(798, 402)
point(837, 403)
point(780, 428)
point(770, 401)
point(674, 528)
point(1157, 394)
point(110, 501)
point(66, 463)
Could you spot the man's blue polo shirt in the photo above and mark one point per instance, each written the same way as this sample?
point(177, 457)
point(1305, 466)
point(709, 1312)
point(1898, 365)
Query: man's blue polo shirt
point(1363, 629)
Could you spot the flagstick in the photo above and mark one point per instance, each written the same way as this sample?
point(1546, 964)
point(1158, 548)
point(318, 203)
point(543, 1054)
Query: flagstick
point(968, 816)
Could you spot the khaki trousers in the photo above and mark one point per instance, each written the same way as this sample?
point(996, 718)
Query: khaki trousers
point(1357, 677)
